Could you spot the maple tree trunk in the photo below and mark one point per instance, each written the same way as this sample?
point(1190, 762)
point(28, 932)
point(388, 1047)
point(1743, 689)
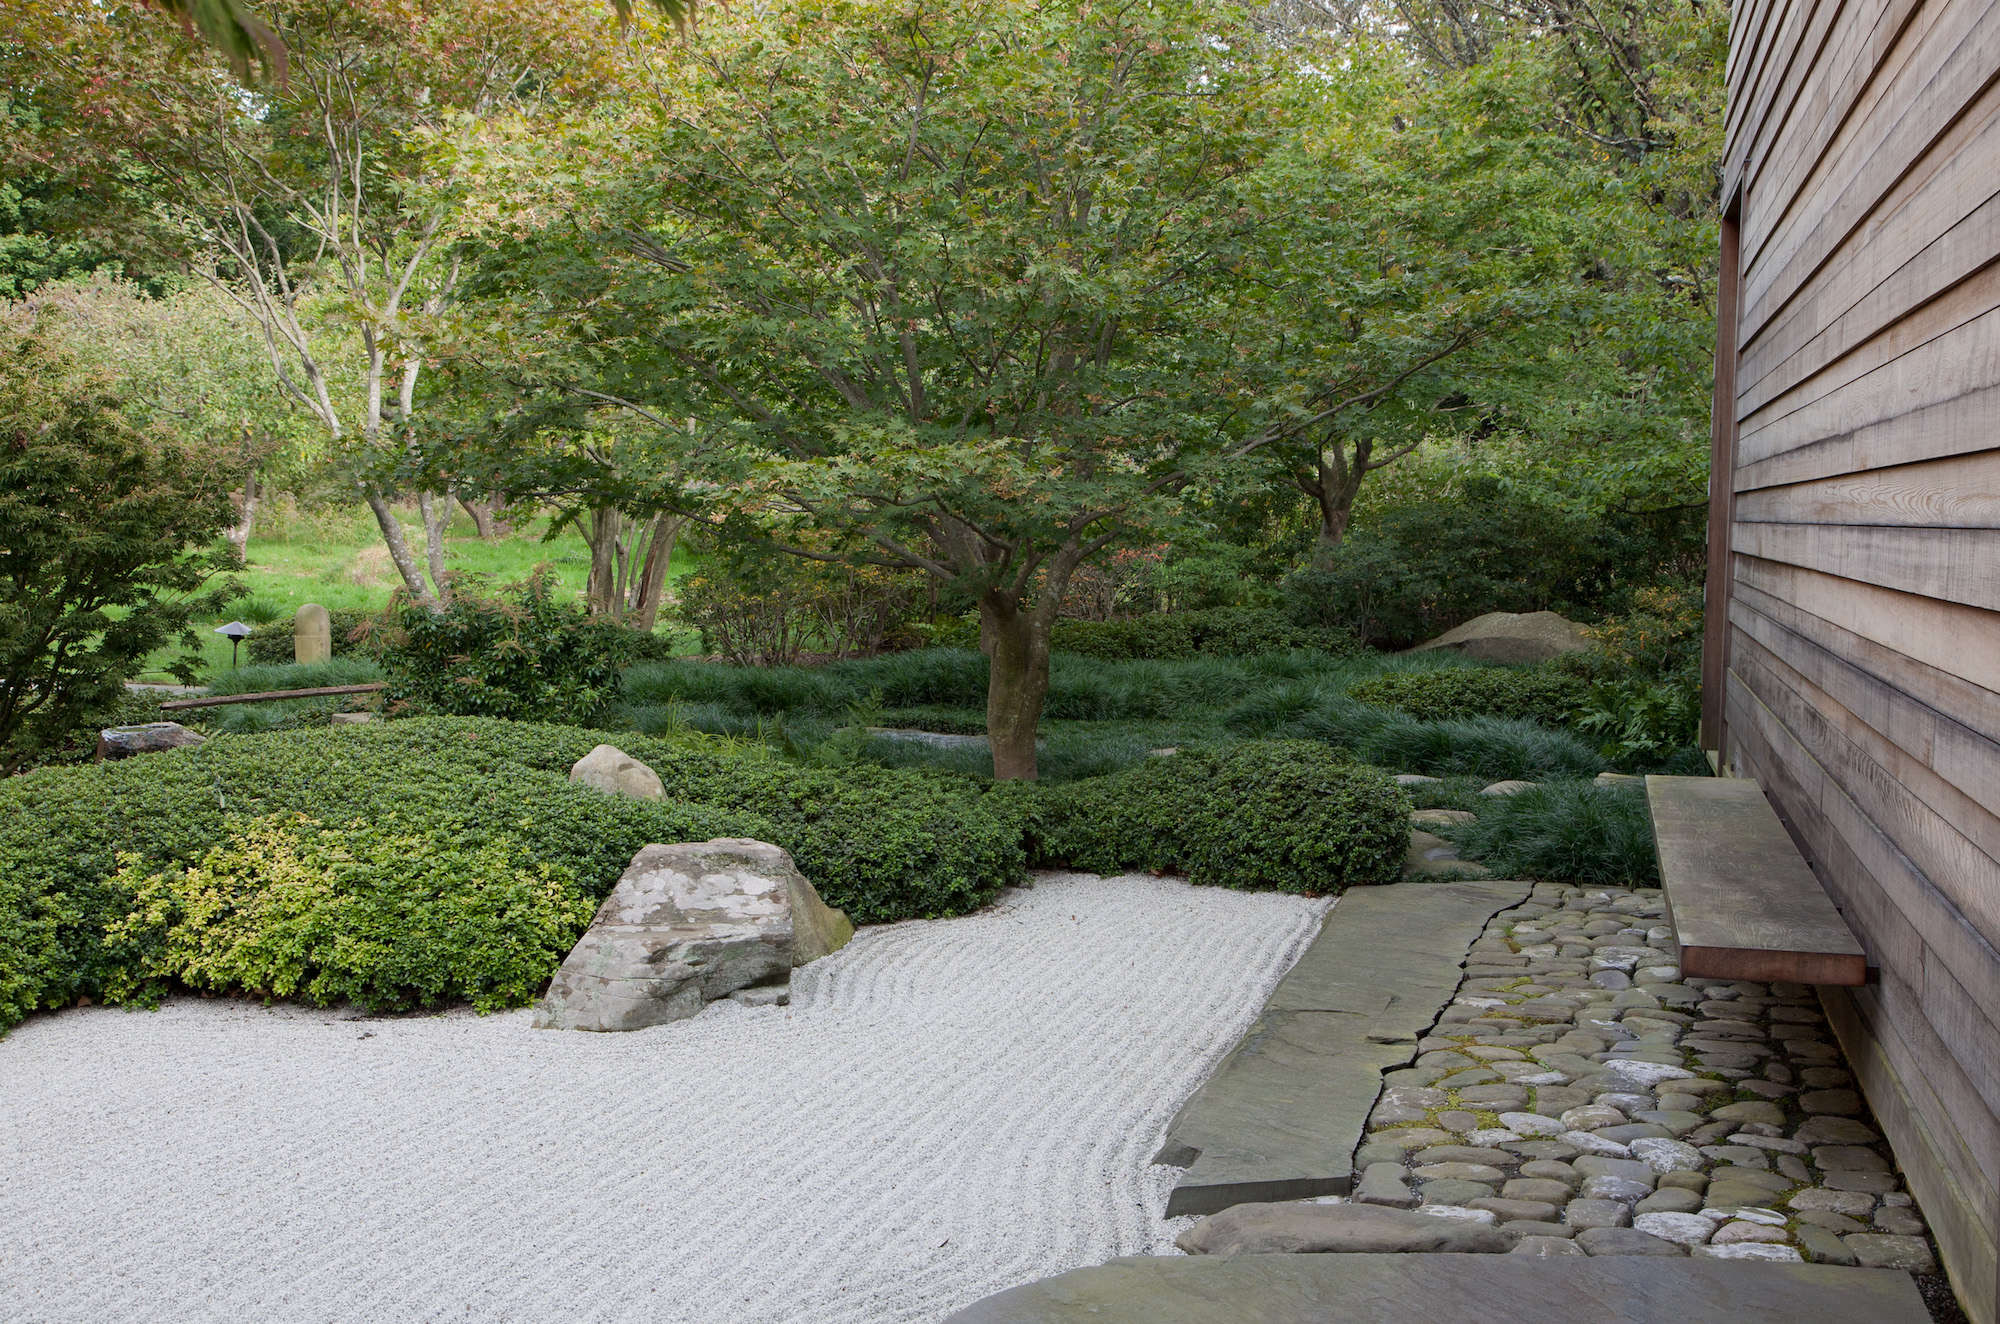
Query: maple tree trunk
point(238, 533)
point(485, 516)
point(601, 590)
point(434, 514)
point(1017, 685)
point(653, 579)
point(400, 554)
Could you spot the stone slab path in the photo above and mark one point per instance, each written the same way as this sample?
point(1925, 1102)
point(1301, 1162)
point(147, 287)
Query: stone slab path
point(1282, 1115)
point(1585, 1098)
point(1398, 1289)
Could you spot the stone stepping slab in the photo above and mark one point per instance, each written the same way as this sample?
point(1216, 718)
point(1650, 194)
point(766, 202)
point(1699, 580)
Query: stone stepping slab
point(1281, 1117)
point(1395, 1289)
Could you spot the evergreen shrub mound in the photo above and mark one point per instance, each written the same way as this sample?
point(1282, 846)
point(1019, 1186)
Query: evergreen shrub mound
point(1289, 816)
point(1564, 832)
point(1528, 693)
point(77, 844)
point(523, 653)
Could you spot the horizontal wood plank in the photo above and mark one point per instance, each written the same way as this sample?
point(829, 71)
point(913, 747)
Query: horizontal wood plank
point(1934, 231)
point(1960, 641)
point(1950, 565)
point(1936, 71)
point(1959, 492)
point(1923, 404)
point(273, 696)
point(1742, 901)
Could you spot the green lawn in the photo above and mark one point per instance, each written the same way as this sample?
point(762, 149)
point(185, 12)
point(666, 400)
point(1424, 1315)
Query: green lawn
point(346, 566)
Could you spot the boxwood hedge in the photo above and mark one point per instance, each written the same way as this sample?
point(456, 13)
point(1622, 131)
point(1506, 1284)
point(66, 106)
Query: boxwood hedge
point(1285, 815)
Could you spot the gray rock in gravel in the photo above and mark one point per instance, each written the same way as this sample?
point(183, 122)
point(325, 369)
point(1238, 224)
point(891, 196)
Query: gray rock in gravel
point(1250, 1229)
point(688, 924)
point(122, 742)
point(1876, 1251)
point(1686, 1229)
point(614, 772)
point(1384, 1184)
point(1825, 1246)
point(1596, 1214)
point(1625, 1241)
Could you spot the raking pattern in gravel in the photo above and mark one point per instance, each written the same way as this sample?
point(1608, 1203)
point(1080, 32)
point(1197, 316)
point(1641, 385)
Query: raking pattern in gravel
point(947, 1109)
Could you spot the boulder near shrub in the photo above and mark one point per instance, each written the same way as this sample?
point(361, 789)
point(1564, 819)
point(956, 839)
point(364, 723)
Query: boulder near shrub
point(480, 812)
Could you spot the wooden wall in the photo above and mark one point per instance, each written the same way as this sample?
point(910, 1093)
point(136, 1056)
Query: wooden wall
point(1855, 634)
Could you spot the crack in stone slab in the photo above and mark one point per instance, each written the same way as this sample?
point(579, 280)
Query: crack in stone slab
point(1281, 1117)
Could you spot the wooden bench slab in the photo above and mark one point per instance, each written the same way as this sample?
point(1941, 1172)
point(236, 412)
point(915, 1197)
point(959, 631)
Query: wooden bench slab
point(1743, 902)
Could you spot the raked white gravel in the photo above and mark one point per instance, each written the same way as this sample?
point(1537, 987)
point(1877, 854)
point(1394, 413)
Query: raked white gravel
point(948, 1108)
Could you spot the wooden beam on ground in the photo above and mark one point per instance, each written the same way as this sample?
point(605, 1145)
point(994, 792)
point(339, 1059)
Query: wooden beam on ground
point(272, 696)
point(1743, 902)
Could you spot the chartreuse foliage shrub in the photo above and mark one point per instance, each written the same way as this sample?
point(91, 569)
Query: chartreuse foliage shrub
point(288, 906)
point(1530, 693)
point(1290, 816)
point(524, 654)
point(443, 803)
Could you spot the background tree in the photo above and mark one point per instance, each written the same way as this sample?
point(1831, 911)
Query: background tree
point(947, 277)
point(190, 367)
point(314, 203)
point(105, 557)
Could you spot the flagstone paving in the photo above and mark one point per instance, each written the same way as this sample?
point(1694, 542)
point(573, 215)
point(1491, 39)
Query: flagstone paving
point(1583, 1097)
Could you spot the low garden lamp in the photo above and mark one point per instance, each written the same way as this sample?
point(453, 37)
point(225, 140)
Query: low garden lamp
point(237, 632)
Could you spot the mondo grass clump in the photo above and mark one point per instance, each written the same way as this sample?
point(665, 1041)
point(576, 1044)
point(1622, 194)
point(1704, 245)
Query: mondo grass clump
point(1564, 832)
point(409, 803)
point(1288, 816)
point(1492, 747)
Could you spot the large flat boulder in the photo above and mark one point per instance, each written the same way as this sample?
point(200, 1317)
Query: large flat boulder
point(1512, 637)
point(688, 924)
point(122, 742)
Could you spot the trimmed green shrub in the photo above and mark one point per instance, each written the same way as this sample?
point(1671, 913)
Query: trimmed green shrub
point(1565, 832)
point(1291, 816)
point(1532, 694)
point(525, 655)
point(271, 644)
point(74, 842)
point(290, 907)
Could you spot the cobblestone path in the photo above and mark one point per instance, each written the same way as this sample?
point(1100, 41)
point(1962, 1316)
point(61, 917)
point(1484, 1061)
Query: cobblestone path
point(1583, 1096)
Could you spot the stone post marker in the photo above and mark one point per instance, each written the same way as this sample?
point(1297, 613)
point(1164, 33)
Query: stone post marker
point(312, 634)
